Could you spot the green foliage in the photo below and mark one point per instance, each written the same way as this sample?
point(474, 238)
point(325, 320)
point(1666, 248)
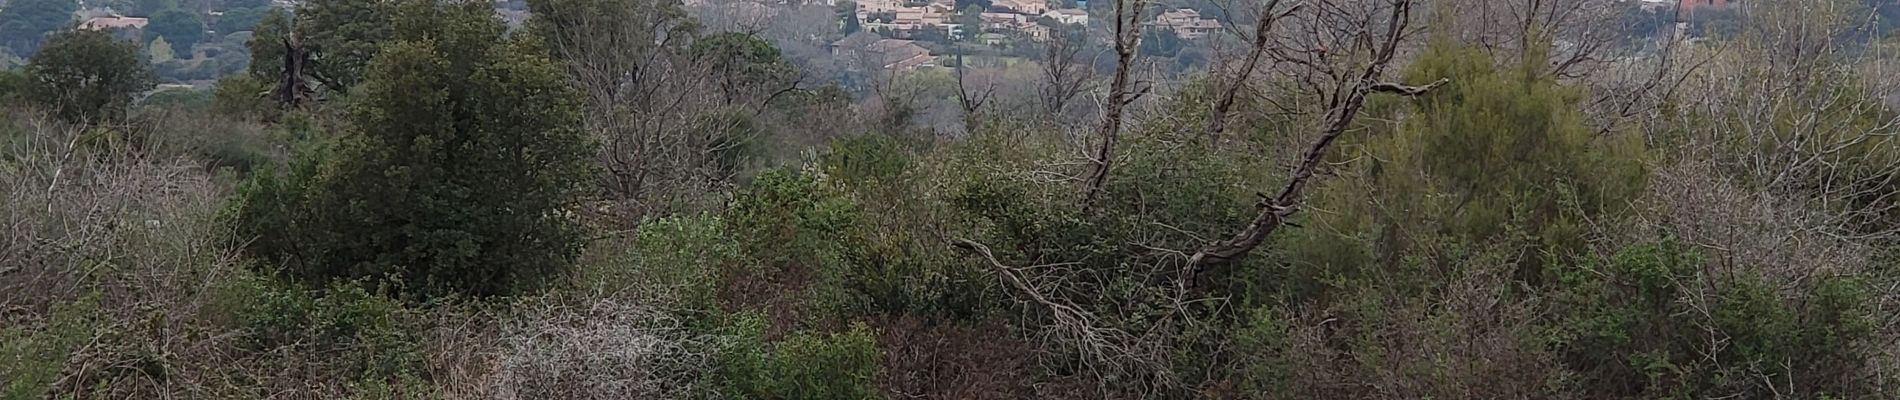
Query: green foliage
point(12, 84)
point(848, 12)
point(149, 7)
point(868, 161)
point(267, 47)
point(371, 333)
point(803, 366)
point(843, 261)
point(1639, 325)
point(86, 76)
point(24, 23)
point(465, 150)
point(1262, 341)
point(747, 66)
point(1498, 156)
point(160, 50)
point(241, 19)
point(182, 28)
point(242, 97)
point(348, 33)
point(679, 256)
point(31, 359)
point(791, 220)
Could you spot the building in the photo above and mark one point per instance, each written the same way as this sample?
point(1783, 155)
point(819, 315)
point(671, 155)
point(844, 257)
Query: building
point(113, 23)
point(1027, 7)
point(124, 27)
point(1186, 23)
point(1071, 16)
point(995, 21)
point(1688, 7)
point(865, 50)
point(900, 55)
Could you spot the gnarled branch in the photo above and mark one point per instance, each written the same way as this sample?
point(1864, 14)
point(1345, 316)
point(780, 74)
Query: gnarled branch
point(1274, 210)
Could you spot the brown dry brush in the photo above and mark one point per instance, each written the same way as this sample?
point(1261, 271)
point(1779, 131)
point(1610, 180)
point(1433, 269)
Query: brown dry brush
point(662, 138)
point(123, 240)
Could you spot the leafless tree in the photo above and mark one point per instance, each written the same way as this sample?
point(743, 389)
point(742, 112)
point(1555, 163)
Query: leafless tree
point(1571, 35)
point(972, 99)
point(1065, 75)
point(1231, 86)
point(1121, 91)
point(643, 94)
point(1374, 37)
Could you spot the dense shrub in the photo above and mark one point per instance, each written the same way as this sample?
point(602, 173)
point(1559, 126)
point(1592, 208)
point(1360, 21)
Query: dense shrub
point(374, 332)
point(802, 366)
point(461, 160)
point(32, 358)
point(1652, 321)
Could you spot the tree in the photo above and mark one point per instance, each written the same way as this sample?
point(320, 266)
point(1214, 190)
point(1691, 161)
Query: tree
point(1064, 75)
point(345, 34)
point(747, 67)
point(161, 50)
point(240, 19)
point(972, 20)
point(183, 29)
point(152, 7)
point(848, 13)
point(87, 76)
point(464, 149)
point(23, 23)
point(1127, 36)
point(1380, 45)
point(267, 46)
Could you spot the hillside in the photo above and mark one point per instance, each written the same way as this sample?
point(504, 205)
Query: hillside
point(631, 199)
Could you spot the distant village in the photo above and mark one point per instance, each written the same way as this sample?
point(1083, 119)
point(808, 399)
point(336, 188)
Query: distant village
point(889, 29)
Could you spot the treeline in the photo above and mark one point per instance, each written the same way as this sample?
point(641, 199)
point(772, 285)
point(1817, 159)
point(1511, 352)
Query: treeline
point(411, 199)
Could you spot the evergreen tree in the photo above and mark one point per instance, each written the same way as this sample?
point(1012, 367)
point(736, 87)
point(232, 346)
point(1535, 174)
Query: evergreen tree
point(240, 19)
point(87, 76)
point(24, 23)
point(267, 46)
point(346, 34)
point(848, 13)
point(463, 151)
point(182, 28)
point(161, 50)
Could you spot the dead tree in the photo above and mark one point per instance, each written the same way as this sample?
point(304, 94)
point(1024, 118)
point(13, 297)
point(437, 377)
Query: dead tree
point(1063, 75)
point(1263, 33)
point(1345, 108)
point(1127, 42)
point(972, 101)
point(292, 87)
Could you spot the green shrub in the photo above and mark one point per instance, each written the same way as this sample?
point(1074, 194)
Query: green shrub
point(675, 258)
point(1640, 325)
point(803, 366)
point(372, 335)
point(463, 155)
point(809, 228)
point(791, 220)
point(243, 97)
point(31, 359)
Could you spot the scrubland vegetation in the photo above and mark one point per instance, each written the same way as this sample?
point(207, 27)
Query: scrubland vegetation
point(1358, 199)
